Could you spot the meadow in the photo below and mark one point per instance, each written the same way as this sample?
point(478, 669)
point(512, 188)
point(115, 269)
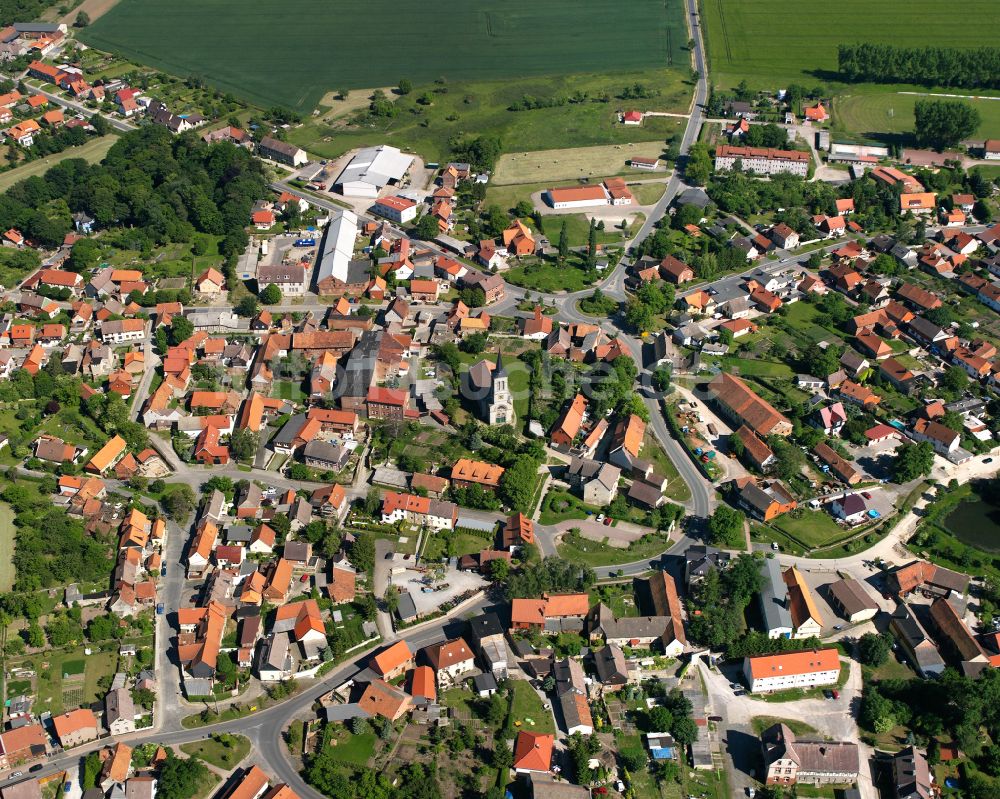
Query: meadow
point(482, 107)
point(866, 113)
point(293, 57)
point(771, 43)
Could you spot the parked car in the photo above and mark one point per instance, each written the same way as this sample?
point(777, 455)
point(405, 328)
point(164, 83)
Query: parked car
point(163, 571)
point(607, 521)
point(828, 695)
point(836, 693)
point(159, 609)
point(600, 518)
point(17, 774)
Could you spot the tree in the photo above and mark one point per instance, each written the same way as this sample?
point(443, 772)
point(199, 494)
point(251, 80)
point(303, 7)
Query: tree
point(82, 20)
point(659, 719)
point(517, 483)
point(944, 123)
point(181, 329)
point(699, 164)
point(179, 503)
point(726, 526)
point(405, 86)
point(789, 459)
point(912, 461)
point(873, 649)
point(955, 379)
point(428, 227)
point(502, 758)
point(496, 710)
point(271, 295)
point(876, 712)
point(685, 731)
point(362, 554)
point(180, 779)
point(499, 569)
point(563, 241)
point(247, 307)
point(243, 444)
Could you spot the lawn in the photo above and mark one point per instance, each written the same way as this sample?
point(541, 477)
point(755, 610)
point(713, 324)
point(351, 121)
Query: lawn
point(579, 162)
point(527, 709)
point(7, 543)
point(56, 694)
point(761, 723)
point(463, 544)
point(648, 193)
point(769, 47)
point(478, 39)
point(814, 528)
point(218, 753)
point(870, 113)
point(561, 505)
point(600, 553)
point(549, 277)
point(92, 152)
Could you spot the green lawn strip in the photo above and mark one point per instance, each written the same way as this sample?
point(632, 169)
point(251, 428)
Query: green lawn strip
point(795, 694)
point(527, 707)
point(7, 544)
point(814, 528)
point(761, 723)
point(600, 553)
point(217, 752)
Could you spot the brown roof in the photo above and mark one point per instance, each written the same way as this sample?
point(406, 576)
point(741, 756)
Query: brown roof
point(952, 627)
point(477, 472)
point(448, 653)
point(382, 699)
point(852, 596)
point(745, 404)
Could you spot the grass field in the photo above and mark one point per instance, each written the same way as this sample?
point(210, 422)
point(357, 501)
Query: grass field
point(768, 46)
point(214, 751)
point(483, 107)
point(527, 707)
point(546, 165)
point(812, 527)
point(870, 113)
point(7, 543)
point(321, 46)
point(92, 152)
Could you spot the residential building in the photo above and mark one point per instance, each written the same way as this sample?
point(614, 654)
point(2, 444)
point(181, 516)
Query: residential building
point(451, 661)
point(915, 642)
point(282, 152)
point(762, 160)
point(789, 760)
point(910, 777)
point(851, 600)
point(75, 727)
point(740, 405)
point(393, 661)
point(775, 613)
point(119, 711)
point(763, 500)
point(806, 619)
point(532, 752)
point(806, 669)
point(550, 613)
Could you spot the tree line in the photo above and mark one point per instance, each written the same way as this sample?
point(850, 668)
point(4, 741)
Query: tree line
point(977, 68)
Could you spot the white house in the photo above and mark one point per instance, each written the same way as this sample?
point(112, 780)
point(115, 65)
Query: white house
point(792, 670)
point(451, 661)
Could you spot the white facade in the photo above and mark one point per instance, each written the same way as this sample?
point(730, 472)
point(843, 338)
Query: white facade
point(371, 170)
point(780, 682)
point(400, 213)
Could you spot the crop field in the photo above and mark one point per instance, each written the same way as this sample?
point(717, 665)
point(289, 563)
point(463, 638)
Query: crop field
point(773, 42)
point(883, 112)
point(293, 53)
point(578, 162)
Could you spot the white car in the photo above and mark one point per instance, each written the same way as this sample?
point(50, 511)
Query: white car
point(600, 518)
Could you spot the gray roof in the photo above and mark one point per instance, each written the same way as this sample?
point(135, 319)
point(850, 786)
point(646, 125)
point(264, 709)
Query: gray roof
point(338, 247)
point(773, 596)
point(345, 712)
point(851, 594)
point(406, 608)
point(325, 451)
point(484, 682)
point(376, 166)
point(610, 663)
point(289, 430)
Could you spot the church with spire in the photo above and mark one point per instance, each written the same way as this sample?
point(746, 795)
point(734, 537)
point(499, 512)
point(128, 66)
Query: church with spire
point(490, 385)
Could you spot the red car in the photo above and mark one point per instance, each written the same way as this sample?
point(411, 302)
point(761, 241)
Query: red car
point(836, 693)
point(607, 521)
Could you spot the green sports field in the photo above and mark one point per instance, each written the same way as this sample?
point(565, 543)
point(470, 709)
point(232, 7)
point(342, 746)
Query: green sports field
point(774, 42)
point(865, 114)
point(291, 53)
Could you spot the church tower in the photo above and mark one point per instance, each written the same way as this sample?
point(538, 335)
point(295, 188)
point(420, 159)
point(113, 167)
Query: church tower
point(501, 406)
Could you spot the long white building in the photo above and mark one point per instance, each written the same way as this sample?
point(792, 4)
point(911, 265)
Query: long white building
point(792, 670)
point(762, 160)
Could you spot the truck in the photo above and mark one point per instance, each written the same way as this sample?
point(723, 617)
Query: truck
point(305, 242)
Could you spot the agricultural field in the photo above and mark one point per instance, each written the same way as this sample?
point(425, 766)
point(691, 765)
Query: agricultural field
point(580, 162)
point(869, 113)
point(324, 46)
point(768, 46)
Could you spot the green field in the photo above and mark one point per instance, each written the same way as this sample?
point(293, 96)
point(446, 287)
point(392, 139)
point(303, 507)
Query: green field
point(92, 152)
point(7, 543)
point(868, 114)
point(223, 753)
point(293, 54)
point(770, 43)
